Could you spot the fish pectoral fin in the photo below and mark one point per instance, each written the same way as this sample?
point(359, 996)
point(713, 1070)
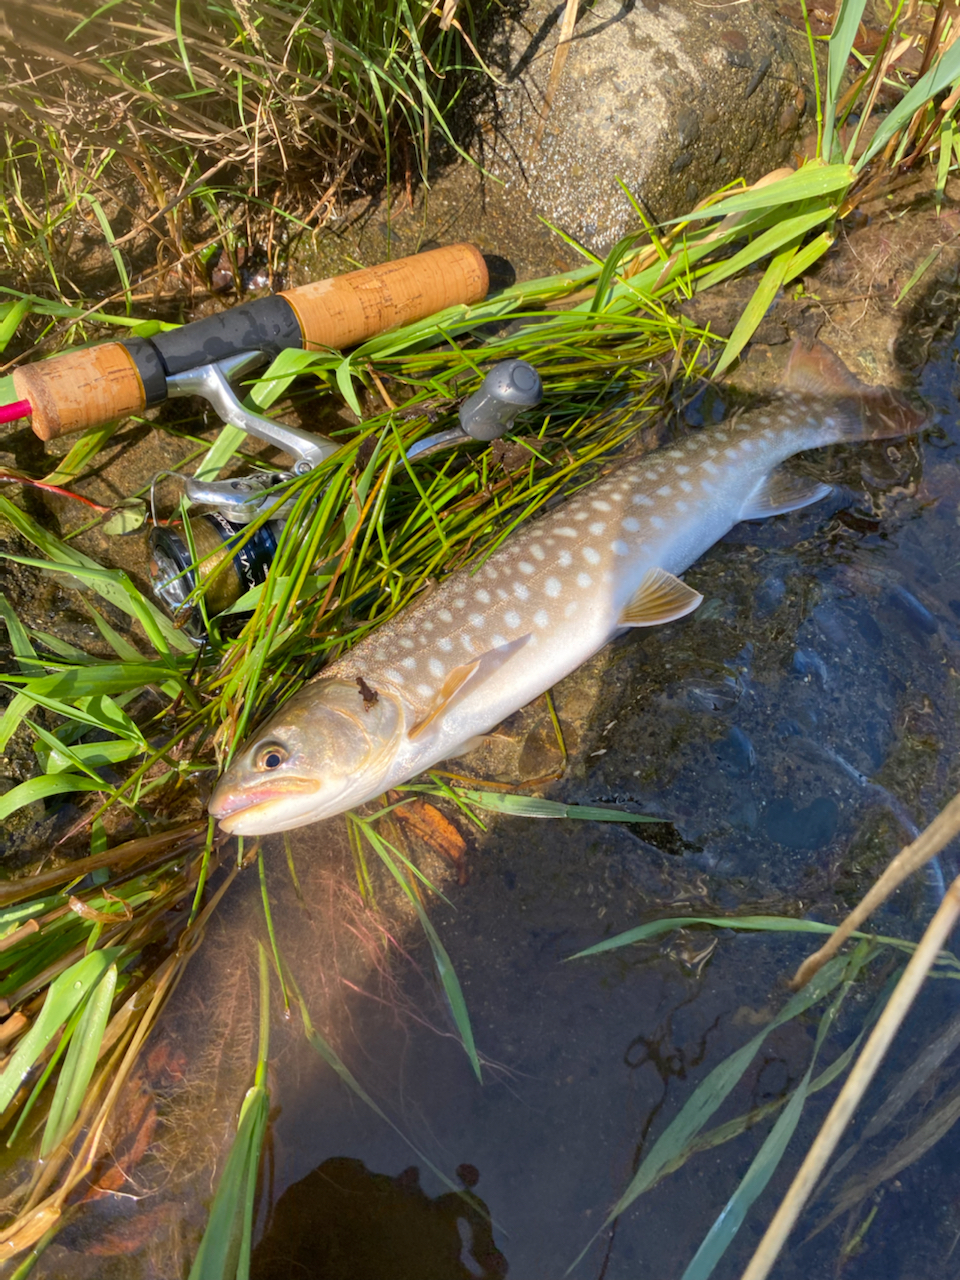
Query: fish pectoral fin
point(782, 491)
point(660, 597)
point(462, 678)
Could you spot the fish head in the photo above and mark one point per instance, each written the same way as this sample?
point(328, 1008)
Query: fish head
point(327, 749)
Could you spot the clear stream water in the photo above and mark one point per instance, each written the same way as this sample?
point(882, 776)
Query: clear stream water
point(796, 730)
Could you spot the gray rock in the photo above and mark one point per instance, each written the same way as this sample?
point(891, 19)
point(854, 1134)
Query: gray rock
point(674, 98)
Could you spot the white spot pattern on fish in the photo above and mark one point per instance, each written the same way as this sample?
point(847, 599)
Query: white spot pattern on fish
point(543, 612)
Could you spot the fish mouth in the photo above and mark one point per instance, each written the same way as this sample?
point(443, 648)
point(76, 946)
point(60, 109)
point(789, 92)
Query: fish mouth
point(234, 809)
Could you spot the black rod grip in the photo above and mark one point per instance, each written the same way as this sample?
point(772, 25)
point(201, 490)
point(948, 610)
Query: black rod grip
point(265, 324)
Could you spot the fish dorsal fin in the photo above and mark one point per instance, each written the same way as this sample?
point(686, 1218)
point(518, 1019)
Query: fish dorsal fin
point(660, 597)
point(460, 679)
point(782, 491)
point(818, 371)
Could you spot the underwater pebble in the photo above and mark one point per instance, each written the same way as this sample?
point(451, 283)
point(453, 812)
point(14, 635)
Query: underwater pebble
point(919, 616)
point(770, 594)
point(807, 663)
point(869, 629)
point(808, 828)
point(736, 754)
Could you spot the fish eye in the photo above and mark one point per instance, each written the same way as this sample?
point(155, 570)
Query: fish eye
point(271, 756)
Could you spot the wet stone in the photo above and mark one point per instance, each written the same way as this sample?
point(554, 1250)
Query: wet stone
point(810, 665)
point(623, 109)
point(918, 616)
point(688, 126)
point(869, 629)
point(736, 754)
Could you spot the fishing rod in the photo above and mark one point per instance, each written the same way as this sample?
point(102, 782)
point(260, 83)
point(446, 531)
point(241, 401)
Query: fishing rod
point(96, 385)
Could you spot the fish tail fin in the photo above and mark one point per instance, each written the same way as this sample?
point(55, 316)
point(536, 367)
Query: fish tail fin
point(860, 412)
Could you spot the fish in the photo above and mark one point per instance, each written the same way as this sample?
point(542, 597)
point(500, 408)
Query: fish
point(430, 682)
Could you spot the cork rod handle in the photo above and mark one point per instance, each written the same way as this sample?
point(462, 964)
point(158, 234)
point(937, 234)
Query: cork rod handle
point(349, 309)
point(80, 389)
point(88, 388)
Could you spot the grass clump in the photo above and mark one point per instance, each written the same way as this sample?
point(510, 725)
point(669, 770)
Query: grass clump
point(159, 129)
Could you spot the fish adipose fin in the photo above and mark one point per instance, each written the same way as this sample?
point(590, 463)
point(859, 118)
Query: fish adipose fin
point(858, 411)
point(464, 679)
point(782, 491)
point(660, 597)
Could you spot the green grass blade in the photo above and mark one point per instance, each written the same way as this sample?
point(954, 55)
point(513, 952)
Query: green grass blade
point(534, 807)
point(118, 262)
point(182, 44)
point(108, 678)
point(944, 72)
point(767, 1159)
point(767, 924)
point(279, 378)
point(948, 133)
point(758, 306)
point(219, 1255)
point(52, 784)
point(23, 650)
point(13, 314)
point(811, 252)
point(19, 706)
point(122, 647)
point(919, 272)
point(811, 181)
point(768, 242)
point(845, 26)
point(100, 712)
point(644, 932)
point(114, 587)
point(85, 757)
point(330, 1056)
point(63, 996)
point(224, 1252)
point(711, 1092)
point(344, 378)
point(445, 970)
point(81, 453)
point(80, 1062)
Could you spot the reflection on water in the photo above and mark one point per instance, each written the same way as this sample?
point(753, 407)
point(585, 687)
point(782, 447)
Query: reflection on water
point(797, 730)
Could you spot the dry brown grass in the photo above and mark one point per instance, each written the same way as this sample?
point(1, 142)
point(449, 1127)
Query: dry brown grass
point(129, 125)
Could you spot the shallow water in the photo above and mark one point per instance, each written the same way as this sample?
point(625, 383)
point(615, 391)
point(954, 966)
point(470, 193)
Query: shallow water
point(796, 731)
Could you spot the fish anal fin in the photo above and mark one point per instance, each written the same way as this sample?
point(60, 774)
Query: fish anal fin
point(463, 679)
point(782, 491)
point(660, 597)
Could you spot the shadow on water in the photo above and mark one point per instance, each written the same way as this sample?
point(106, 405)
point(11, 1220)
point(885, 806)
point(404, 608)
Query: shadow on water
point(796, 730)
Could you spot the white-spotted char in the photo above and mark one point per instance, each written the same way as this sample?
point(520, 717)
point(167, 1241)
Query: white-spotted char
point(488, 640)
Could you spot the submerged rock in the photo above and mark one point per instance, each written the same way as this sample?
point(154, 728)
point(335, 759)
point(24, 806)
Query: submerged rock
point(673, 98)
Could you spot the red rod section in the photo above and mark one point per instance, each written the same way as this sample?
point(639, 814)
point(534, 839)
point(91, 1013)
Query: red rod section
point(19, 409)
